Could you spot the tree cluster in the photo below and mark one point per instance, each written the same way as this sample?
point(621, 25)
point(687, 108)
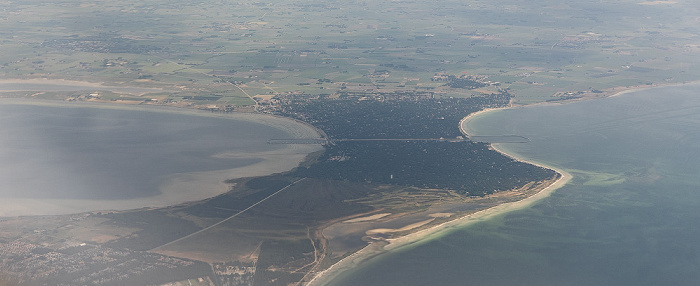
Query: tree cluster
point(469, 167)
point(404, 118)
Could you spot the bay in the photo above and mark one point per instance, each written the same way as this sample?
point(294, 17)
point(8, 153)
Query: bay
point(58, 159)
point(628, 217)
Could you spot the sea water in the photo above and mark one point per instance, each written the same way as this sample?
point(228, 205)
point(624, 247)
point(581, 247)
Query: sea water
point(630, 216)
point(78, 155)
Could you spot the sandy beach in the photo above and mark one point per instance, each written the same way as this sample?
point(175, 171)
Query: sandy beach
point(178, 187)
point(378, 248)
point(382, 247)
point(51, 81)
point(43, 85)
point(470, 117)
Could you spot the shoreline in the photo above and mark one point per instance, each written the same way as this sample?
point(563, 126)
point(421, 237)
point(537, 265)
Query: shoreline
point(255, 117)
point(75, 85)
point(475, 114)
point(174, 188)
point(375, 249)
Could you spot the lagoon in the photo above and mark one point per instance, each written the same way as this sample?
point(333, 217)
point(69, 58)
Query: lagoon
point(69, 158)
point(628, 217)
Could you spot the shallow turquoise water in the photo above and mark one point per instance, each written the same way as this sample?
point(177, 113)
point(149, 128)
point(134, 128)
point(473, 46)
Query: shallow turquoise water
point(629, 217)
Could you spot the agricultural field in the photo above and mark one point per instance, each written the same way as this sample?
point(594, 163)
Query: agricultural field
point(354, 70)
point(221, 54)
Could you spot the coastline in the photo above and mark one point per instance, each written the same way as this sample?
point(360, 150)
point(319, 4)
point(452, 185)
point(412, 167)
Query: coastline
point(74, 85)
point(52, 81)
point(475, 114)
point(375, 249)
point(381, 247)
point(372, 251)
point(175, 188)
point(290, 125)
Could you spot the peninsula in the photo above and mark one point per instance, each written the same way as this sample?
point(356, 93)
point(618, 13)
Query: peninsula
point(385, 86)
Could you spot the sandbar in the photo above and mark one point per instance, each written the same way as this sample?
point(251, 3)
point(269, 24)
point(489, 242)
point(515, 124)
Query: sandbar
point(367, 218)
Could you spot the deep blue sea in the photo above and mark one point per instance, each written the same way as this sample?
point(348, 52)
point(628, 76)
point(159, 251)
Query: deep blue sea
point(630, 215)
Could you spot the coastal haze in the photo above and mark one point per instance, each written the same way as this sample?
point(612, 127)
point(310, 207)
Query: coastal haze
point(64, 159)
point(385, 142)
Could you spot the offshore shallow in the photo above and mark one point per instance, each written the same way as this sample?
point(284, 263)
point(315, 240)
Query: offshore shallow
point(67, 158)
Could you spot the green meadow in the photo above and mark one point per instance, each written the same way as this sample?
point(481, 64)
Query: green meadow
point(535, 50)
